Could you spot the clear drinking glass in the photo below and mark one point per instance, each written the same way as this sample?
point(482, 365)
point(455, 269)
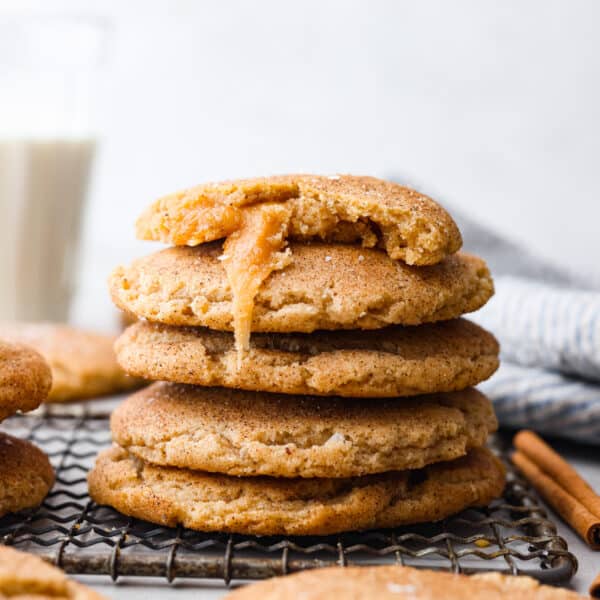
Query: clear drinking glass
point(49, 68)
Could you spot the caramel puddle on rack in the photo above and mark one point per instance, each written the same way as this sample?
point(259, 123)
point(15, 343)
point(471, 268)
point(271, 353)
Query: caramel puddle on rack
point(250, 254)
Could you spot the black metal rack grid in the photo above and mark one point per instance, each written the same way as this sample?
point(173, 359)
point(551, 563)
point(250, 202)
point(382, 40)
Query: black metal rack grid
point(513, 535)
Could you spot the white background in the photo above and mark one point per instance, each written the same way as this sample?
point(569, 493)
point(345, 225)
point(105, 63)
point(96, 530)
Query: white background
point(489, 106)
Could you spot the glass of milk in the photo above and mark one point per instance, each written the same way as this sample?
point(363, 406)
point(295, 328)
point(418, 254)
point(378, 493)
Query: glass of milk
point(48, 70)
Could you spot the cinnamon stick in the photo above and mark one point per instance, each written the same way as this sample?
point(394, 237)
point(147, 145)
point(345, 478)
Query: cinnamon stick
point(560, 485)
point(557, 468)
point(595, 587)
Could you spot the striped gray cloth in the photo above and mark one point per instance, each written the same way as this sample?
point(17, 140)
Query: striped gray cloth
point(545, 401)
point(548, 323)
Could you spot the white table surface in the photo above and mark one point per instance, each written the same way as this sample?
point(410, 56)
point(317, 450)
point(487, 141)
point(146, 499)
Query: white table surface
point(586, 460)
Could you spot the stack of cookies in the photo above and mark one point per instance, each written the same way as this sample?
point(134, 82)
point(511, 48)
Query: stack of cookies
point(315, 374)
point(25, 472)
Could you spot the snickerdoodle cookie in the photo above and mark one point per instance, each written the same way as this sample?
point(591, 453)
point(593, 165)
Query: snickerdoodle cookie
point(269, 506)
point(325, 286)
point(25, 474)
point(25, 378)
point(395, 361)
point(28, 577)
point(255, 433)
point(347, 208)
point(395, 582)
point(83, 363)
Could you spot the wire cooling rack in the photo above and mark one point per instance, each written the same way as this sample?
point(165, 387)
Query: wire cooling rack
point(513, 535)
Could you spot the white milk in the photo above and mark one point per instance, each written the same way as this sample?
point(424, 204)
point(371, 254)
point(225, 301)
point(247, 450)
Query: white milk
point(43, 185)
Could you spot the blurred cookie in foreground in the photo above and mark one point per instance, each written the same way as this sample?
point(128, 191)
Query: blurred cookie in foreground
point(27, 576)
point(390, 362)
point(25, 379)
point(83, 363)
point(398, 583)
point(26, 475)
point(276, 506)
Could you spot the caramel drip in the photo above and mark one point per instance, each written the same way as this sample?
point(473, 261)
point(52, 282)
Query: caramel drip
point(250, 254)
point(256, 216)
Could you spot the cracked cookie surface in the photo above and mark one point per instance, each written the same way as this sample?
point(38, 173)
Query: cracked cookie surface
point(271, 506)
point(395, 361)
point(347, 208)
point(325, 286)
point(254, 433)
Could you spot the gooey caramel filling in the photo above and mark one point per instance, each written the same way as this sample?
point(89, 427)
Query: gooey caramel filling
point(250, 254)
point(257, 216)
